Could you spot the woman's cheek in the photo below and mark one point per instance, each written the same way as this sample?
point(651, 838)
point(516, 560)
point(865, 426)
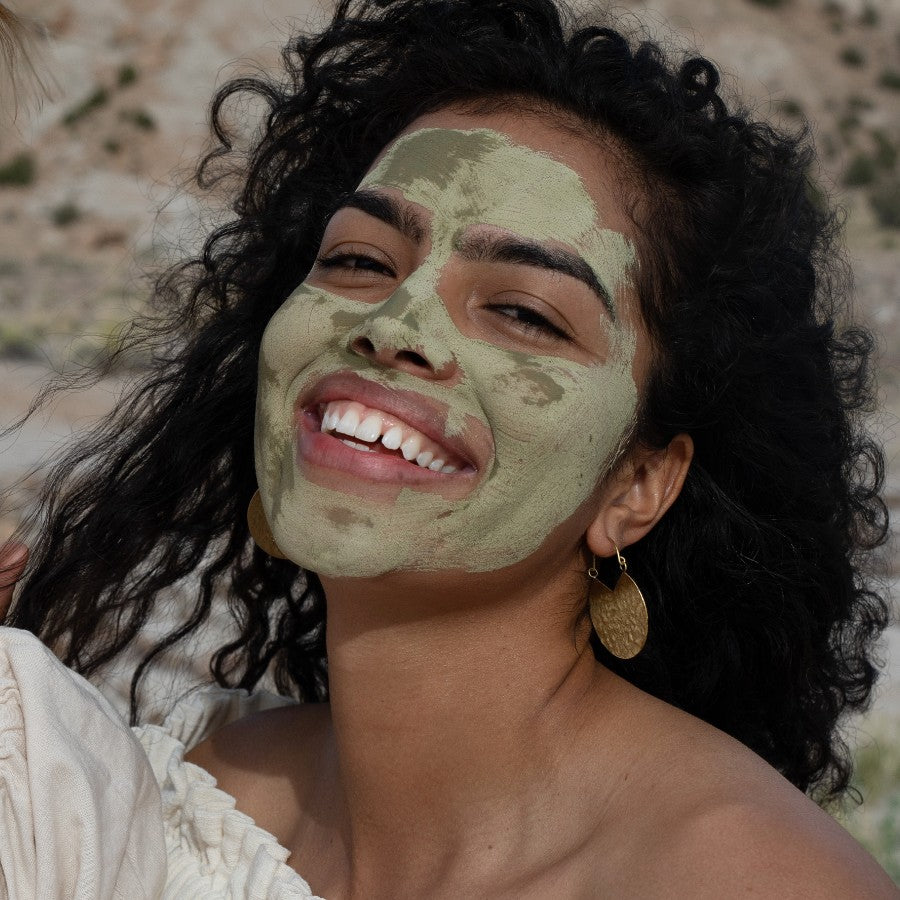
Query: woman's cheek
point(303, 327)
point(559, 425)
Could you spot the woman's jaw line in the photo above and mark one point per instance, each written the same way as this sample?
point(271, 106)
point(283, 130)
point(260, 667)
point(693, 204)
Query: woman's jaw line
point(555, 570)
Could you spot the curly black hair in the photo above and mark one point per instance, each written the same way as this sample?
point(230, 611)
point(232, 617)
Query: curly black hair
point(762, 613)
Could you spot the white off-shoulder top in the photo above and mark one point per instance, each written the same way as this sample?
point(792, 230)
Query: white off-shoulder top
point(213, 850)
point(91, 809)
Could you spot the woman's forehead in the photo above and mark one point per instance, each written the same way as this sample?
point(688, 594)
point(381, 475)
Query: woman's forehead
point(596, 160)
point(481, 176)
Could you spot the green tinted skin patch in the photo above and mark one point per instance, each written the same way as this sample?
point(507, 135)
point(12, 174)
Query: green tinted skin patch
point(344, 518)
point(556, 424)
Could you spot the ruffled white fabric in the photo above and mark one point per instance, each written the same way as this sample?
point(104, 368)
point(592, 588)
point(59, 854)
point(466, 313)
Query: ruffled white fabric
point(79, 807)
point(213, 849)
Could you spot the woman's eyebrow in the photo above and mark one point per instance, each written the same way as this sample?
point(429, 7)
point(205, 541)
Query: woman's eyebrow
point(384, 207)
point(484, 248)
point(480, 248)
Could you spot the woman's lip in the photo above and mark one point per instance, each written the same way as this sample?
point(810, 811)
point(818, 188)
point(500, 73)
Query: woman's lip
point(330, 452)
point(474, 446)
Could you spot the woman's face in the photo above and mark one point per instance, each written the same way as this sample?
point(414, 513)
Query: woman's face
point(456, 374)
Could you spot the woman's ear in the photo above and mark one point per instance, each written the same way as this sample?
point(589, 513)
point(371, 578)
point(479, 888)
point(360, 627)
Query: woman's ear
point(637, 495)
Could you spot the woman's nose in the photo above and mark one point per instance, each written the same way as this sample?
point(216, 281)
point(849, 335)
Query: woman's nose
point(405, 335)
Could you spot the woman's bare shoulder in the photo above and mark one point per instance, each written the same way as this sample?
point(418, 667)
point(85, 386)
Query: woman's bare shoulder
point(259, 758)
point(719, 821)
point(751, 848)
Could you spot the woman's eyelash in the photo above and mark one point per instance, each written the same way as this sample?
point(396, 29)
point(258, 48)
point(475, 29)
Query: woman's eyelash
point(354, 262)
point(529, 320)
point(525, 318)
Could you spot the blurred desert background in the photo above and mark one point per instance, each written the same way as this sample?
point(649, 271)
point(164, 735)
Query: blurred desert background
point(95, 198)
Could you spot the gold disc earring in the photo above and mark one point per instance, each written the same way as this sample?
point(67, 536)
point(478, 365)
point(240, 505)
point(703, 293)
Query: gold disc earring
point(619, 615)
point(259, 528)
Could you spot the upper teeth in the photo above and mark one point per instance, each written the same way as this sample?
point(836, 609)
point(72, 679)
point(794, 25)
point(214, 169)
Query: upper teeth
point(370, 425)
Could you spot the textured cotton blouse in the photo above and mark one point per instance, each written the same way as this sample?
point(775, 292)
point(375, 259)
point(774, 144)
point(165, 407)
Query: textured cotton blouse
point(91, 809)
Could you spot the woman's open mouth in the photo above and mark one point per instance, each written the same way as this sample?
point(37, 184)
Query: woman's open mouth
point(345, 433)
point(374, 431)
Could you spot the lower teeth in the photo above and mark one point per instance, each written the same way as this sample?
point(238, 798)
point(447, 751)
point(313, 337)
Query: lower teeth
point(356, 446)
point(370, 449)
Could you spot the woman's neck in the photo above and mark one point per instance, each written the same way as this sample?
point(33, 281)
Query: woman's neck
point(452, 710)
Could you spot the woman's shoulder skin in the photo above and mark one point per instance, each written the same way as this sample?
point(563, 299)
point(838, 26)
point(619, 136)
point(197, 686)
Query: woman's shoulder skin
point(745, 846)
point(267, 762)
point(696, 815)
point(712, 819)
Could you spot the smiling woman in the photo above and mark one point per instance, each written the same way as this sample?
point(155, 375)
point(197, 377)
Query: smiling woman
point(510, 304)
point(451, 310)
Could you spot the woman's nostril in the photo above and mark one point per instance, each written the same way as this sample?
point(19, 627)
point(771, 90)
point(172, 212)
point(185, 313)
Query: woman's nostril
point(363, 346)
point(415, 358)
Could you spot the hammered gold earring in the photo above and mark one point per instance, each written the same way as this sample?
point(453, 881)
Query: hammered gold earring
point(619, 615)
point(259, 528)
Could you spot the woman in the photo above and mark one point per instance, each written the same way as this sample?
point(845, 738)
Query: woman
point(530, 305)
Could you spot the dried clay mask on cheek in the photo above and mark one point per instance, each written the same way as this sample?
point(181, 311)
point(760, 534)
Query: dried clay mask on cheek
point(556, 423)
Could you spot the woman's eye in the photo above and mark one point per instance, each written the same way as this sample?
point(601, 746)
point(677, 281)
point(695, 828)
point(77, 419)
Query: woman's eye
point(354, 263)
point(529, 320)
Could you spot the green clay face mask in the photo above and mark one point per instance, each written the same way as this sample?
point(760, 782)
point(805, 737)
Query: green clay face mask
point(555, 423)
